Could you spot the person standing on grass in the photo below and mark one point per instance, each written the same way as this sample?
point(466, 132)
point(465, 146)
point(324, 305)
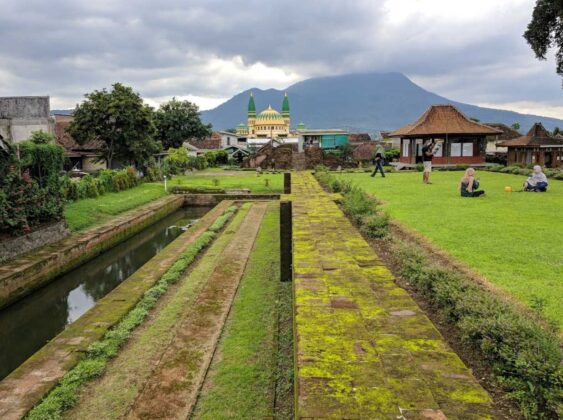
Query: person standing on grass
point(427, 155)
point(378, 165)
point(469, 184)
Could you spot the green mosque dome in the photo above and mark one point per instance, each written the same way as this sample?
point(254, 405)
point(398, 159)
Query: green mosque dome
point(270, 114)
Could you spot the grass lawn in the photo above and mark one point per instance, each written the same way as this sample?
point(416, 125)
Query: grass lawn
point(240, 382)
point(265, 183)
point(85, 213)
point(514, 239)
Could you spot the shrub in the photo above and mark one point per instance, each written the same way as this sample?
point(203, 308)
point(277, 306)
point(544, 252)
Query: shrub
point(525, 358)
point(359, 206)
point(375, 225)
point(30, 186)
point(357, 203)
point(392, 154)
point(419, 167)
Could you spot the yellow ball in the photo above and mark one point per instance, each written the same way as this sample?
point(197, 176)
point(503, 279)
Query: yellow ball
point(508, 189)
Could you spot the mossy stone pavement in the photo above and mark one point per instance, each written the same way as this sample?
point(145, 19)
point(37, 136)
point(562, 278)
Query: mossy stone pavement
point(364, 349)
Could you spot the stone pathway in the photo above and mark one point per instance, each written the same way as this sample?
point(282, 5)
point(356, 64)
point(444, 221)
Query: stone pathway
point(364, 347)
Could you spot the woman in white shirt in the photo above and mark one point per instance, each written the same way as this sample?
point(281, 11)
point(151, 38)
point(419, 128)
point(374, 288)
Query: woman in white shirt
point(537, 181)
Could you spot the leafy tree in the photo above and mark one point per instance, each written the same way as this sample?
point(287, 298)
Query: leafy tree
point(545, 30)
point(121, 120)
point(556, 131)
point(177, 121)
point(41, 137)
point(178, 159)
point(515, 126)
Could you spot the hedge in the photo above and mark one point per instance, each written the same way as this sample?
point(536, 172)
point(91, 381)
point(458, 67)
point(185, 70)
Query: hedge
point(107, 180)
point(525, 171)
point(525, 357)
point(30, 191)
point(356, 203)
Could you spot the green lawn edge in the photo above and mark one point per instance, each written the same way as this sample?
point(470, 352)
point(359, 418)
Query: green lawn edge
point(241, 378)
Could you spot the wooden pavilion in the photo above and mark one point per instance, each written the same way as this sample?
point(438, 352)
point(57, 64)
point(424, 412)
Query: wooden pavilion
point(538, 147)
point(460, 140)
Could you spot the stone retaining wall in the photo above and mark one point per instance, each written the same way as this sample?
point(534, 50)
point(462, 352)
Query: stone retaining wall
point(214, 199)
point(11, 248)
point(25, 274)
point(32, 380)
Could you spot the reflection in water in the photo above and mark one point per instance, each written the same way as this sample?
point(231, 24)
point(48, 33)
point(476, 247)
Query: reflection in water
point(28, 324)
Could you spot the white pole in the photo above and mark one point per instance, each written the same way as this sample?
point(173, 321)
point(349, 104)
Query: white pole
point(165, 183)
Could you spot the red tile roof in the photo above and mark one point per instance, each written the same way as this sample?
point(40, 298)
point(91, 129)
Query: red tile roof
point(358, 137)
point(440, 120)
point(213, 142)
point(537, 136)
point(63, 138)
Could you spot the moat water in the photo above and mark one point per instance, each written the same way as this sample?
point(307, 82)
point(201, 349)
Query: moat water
point(30, 323)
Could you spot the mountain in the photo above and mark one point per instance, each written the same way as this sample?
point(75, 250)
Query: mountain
point(358, 102)
point(62, 111)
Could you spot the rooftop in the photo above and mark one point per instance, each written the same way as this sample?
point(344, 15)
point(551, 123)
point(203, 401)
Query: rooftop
point(443, 120)
point(537, 136)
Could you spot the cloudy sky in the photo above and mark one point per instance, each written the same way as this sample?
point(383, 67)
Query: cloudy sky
point(209, 50)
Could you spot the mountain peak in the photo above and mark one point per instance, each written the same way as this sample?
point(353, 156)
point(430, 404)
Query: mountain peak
point(369, 102)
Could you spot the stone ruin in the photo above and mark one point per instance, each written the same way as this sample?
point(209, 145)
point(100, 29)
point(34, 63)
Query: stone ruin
point(286, 157)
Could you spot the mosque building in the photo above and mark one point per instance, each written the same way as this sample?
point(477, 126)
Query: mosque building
point(268, 124)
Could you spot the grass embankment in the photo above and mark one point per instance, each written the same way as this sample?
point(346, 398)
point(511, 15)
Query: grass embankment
point(512, 239)
point(88, 212)
point(241, 382)
point(65, 394)
point(524, 358)
point(258, 184)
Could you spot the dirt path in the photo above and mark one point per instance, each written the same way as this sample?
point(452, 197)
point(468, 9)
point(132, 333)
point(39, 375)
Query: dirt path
point(172, 388)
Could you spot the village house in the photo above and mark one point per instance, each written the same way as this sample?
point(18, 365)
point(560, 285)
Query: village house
point(508, 133)
point(459, 140)
point(84, 157)
point(538, 147)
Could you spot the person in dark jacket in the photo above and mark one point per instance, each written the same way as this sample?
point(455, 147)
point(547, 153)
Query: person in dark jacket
point(378, 160)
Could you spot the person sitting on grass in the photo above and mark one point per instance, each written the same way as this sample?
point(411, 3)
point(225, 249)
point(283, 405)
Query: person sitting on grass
point(469, 184)
point(537, 181)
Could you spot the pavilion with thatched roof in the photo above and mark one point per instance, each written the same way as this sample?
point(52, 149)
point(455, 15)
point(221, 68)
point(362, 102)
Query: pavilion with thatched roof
point(461, 140)
point(538, 147)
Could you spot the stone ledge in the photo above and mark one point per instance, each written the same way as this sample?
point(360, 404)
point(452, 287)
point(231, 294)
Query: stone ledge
point(35, 269)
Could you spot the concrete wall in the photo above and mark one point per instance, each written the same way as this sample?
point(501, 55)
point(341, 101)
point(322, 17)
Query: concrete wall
point(22, 115)
point(10, 248)
point(23, 275)
point(24, 107)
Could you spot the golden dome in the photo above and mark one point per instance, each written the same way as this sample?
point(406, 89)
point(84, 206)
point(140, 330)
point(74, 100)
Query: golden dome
point(270, 116)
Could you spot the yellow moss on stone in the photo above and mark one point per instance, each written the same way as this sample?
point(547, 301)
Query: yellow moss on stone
point(363, 347)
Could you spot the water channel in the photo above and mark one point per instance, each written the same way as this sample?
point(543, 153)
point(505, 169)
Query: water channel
point(31, 322)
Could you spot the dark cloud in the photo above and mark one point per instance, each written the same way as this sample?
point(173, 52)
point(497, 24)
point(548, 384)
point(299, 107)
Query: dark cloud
point(213, 48)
